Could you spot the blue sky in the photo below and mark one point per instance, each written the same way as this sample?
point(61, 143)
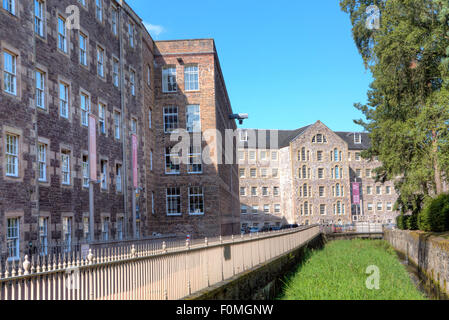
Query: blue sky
point(287, 63)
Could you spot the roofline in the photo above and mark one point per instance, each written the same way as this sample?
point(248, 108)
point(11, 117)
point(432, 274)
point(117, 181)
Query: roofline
point(179, 40)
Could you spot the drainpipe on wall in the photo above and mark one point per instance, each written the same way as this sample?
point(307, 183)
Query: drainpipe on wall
point(123, 123)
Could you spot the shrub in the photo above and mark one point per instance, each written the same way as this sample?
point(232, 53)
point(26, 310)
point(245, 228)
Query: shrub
point(412, 222)
point(400, 222)
point(435, 215)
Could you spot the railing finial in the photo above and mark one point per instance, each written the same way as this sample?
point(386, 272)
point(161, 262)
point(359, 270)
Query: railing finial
point(26, 265)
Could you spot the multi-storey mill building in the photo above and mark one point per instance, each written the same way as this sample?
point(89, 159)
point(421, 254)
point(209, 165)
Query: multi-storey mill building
point(305, 176)
point(62, 60)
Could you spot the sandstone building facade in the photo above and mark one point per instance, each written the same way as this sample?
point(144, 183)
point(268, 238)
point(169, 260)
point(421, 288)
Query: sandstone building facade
point(61, 61)
point(305, 176)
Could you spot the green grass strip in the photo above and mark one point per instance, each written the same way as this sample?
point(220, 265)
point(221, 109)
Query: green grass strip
point(338, 272)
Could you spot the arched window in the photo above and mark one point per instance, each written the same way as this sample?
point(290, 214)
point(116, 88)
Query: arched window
point(305, 191)
point(306, 208)
point(304, 172)
point(335, 154)
point(337, 190)
point(319, 138)
point(337, 172)
point(338, 207)
point(303, 154)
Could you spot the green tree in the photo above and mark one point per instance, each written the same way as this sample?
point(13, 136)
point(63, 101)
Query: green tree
point(407, 113)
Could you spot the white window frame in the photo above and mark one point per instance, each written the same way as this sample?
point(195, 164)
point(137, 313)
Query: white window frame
point(193, 118)
point(102, 117)
point(117, 125)
point(104, 174)
point(171, 119)
point(65, 168)
point(42, 161)
point(83, 41)
point(85, 165)
point(13, 238)
point(43, 235)
point(191, 78)
point(40, 89)
point(64, 100)
point(39, 17)
point(62, 34)
point(169, 80)
point(118, 178)
point(173, 198)
point(100, 61)
point(12, 155)
point(10, 6)
point(196, 194)
point(195, 165)
point(174, 168)
point(10, 73)
point(85, 109)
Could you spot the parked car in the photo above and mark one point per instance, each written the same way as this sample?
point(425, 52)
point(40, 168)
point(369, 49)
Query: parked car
point(266, 229)
point(254, 230)
point(275, 228)
point(289, 226)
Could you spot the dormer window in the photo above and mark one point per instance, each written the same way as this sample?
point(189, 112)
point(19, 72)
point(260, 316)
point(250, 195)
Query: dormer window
point(357, 138)
point(243, 135)
point(319, 138)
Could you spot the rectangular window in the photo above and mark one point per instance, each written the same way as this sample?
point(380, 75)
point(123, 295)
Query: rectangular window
point(132, 82)
point(114, 20)
point(99, 9)
point(118, 178)
point(170, 119)
point(150, 120)
point(131, 34)
point(243, 191)
point(277, 208)
point(274, 156)
point(358, 173)
point(252, 155)
point(263, 173)
point(43, 236)
point(83, 49)
point(39, 17)
point(151, 160)
point(243, 135)
point(368, 173)
point(379, 206)
point(173, 202)
point(243, 209)
point(253, 173)
point(388, 190)
point(195, 162)
point(13, 238)
point(242, 173)
point(322, 191)
point(275, 172)
point(115, 72)
point(276, 191)
point(67, 233)
point(322, 209)
point(152, 202)
point(62, 35)
point(266, 209)
point(85, 109)
point(265, 191)
point(10, 73)
point(40, 89)
point(85, 171)
point(263, 155)
point(64, 100)
point(65, 167)
point(389, 206)
point(12, 155)
point(255, 210)
point(321, 173)
point(104, 174)
point(193, 118)
point(100, 62)
point(254, 191)
point(105, 229)
point(120, 228)
point(369, 190)
point(357, 156)
point(357, 138)
point(10, 6)
point(172, 162)
point(191, 78)
point(117, 125)
point(370, 207)
point(378, 190)
point(319, 156)
point(196, 201)
point(169, 80)
point(102, 117)
point(42, 161)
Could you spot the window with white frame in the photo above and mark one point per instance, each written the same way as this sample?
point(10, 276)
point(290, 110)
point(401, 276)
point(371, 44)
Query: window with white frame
point(102, 117)
point(13, 238)
point(265, 191)
point(83, 49)
point(39, 17)
point(243, 191)
point(357, 156)
point(85, 109)
point(117, 124)
point(255, 210)
point(370, 206)
point(254, 191)
point(62, 35)
point(118, 178)
point(263, 172)
point(169, 80)
point(277, 208)
point(191, 78)
point(252, 155)
point(99, 9)
point(40, 89)
point(42, 161)
point(172, 162)
point(274, 155)
point(10, 73)
point(193, 118)
point(388, 190)
point(322, 191)
point(276, 191)
point(322, 209)
point(275, 172)
point(195, 162)
point(67, 233)
point(12, 155)
point(173, 201)
point(65, 167)
point(357, 138)
point(104, 174)
point(132, 82)
point(379, 206)
point(358, 173)
point(242, 173)
point(263, 155)
point(196, 201)
point(320, 173)
point(100, 61)
point(64, 100)
point(43, 235)
point(266, 209)
point(170, 119)
point(378, 190)
point(243, 135)
point(319, 155)
point(253, 173)
point(115, 72)
point(85, 171)
point(389, 206)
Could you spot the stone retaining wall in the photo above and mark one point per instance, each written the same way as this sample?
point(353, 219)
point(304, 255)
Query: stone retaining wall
point(430, 254)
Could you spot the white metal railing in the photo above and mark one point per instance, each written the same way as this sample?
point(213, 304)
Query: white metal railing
point(145, 272)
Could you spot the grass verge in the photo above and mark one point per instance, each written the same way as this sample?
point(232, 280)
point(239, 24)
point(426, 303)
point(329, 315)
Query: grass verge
point(338, 272)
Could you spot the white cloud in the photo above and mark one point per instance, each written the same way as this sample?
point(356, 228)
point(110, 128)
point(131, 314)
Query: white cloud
point(154, 30)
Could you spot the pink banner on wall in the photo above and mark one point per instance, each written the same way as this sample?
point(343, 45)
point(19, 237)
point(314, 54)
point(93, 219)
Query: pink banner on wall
point(355, 193)
point(135, 177)
point(93, 147)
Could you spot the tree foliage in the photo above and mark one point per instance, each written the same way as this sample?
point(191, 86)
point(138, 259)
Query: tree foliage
point(407, 113)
